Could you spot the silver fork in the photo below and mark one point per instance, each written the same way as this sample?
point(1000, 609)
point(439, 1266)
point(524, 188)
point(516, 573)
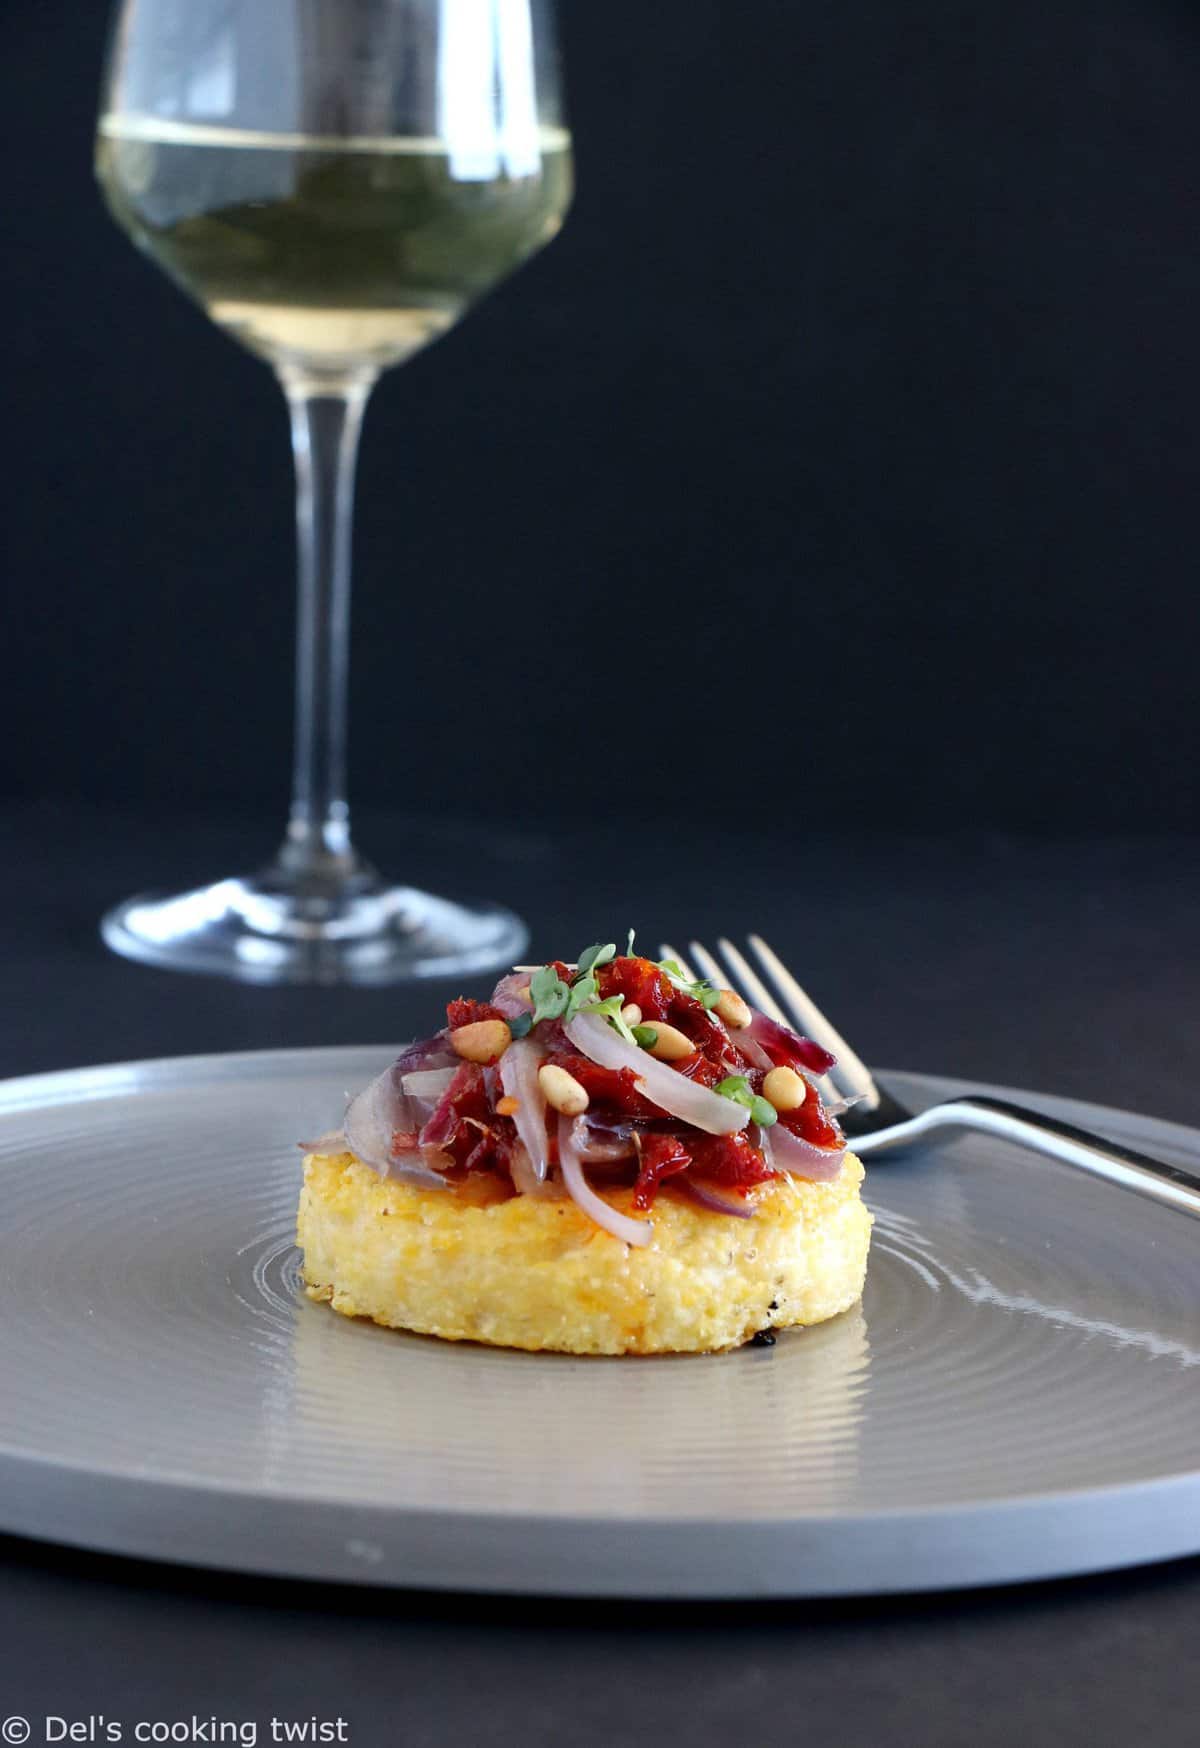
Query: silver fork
point(876, 1121)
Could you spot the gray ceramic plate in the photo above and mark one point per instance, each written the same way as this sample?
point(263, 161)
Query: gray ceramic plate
point(1017, 1397)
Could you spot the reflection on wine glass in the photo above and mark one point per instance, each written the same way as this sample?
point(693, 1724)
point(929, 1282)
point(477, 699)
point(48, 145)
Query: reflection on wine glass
point(335, 182)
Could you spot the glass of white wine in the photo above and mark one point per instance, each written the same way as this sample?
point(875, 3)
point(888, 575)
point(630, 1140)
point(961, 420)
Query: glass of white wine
point(334, 182)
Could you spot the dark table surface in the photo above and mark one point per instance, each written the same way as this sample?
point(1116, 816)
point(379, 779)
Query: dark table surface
point(1065, 967)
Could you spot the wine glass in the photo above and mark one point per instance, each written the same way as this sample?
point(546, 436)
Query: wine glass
point(334, 182)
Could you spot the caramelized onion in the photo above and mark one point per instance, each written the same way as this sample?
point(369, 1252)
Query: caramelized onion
point(786, 1152)
point(405, 1169)
point(662, 1085)
point(376, 1118)
point(426, 1053)
point(598, 1145)
point(511, 995)
point(328, 1145)
point(524, 1182)
point(797, 1049)
point(638, 1232)
point(519, 1077)
point(427, 1084)
point(709, 1196)
point(749, 1048)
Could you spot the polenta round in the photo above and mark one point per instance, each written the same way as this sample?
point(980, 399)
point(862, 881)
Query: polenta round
point(478, 1263)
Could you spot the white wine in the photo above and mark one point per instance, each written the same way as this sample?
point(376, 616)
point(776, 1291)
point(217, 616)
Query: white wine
point(332, 255)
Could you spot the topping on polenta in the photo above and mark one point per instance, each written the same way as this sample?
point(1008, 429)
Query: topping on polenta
point(478, 1185)
point(616, 1071)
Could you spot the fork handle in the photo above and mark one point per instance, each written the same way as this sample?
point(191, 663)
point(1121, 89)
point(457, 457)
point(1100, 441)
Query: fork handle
point(1061, 1141)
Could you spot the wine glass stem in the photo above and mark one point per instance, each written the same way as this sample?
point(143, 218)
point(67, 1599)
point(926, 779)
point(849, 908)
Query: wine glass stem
point(326, 424)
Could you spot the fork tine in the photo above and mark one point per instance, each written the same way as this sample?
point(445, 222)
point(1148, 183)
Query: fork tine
point(752, 985)
point(852, 1072)
point(805, 1015)
point(708, 965)
point(666, 951)
point(761, 997)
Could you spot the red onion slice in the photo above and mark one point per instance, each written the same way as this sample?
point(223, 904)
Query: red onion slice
point(404, 1169)
point(749, 1048)
point(524, 1181)
point(432, 1052)
point(329, 1145)
point(511, 995)
point(374, 1119)
point(427, 1084)
point(709, 1196)
point(670, 1091)
point(797, 1049)
point(602, 1146)
point(375, 1116)
point(637, 1232)
point(786, 1152)
point(839, 1107)
point(519, 1077)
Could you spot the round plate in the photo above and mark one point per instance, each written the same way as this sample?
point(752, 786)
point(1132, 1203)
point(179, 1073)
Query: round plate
point(1018, 1395)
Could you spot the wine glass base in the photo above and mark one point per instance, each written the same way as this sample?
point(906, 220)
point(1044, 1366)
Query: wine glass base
point(271, 930)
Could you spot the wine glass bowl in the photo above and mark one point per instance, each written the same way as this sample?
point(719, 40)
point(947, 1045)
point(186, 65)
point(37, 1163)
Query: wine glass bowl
point(335, 182)
point(324, 255)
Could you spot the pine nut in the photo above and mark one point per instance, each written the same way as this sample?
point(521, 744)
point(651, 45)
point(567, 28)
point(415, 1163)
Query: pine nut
point(670, 1045)
point(507, 1106)
point(730, 1007)
point(785, 1089)
point(631, 1013)
point(481, 1041)
point(562, 1091)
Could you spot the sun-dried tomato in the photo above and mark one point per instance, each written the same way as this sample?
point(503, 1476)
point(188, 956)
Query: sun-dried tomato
point(465, 1012)
point(730, 1160)
point(662, 1156)
point(611, 1091)
point(812, 1123)
point(464, 1101)
point(640, 981)
point(702, 1069)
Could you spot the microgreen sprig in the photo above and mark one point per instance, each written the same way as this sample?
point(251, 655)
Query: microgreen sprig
point(554, 1000)
point(610, 1009)
point(738, 1088)
point(548, 993)
point(592, 958)
point(702, 990)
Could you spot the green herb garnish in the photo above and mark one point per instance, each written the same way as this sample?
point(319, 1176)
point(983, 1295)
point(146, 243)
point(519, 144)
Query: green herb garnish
point(520, 1025)
point(738, 1088)
point(553, 999)
point(702, 990)
point(610, 1009)
point(593, 957)
point(583, 991)
point(549, 994)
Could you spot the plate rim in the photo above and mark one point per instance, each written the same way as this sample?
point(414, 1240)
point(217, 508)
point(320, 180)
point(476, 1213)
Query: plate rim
point(346, 1542)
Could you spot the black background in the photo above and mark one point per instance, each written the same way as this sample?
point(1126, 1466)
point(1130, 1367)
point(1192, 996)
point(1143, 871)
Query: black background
point(839, 458)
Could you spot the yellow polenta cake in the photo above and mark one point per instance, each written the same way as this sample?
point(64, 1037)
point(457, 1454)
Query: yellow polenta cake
point(481, 1264)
